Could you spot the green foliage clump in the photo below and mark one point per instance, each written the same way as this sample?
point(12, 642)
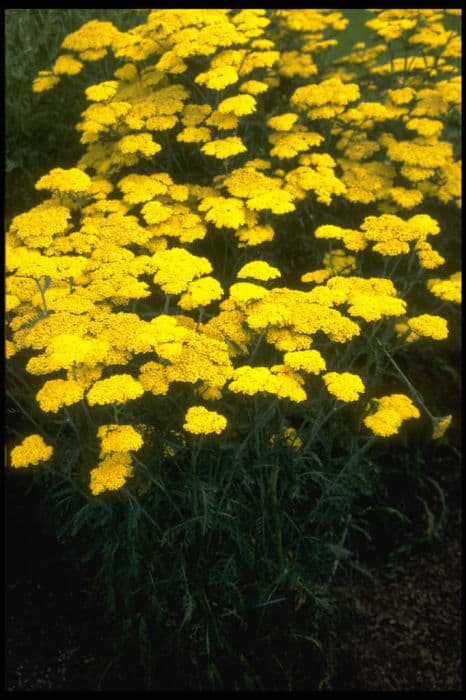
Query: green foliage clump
point(218, 315)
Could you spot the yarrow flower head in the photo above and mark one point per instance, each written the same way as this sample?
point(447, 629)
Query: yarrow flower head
point(441, 426)
point(31, 451)
point(119, 388)
point(224, 148)
point(201, 292)
point(60, 180)
point(59, 392)
point(118, 438)
point(259, 270)
point(201, 421)
point(344, 385)
point(427, 326)
point(112, 473)
point(218, 78)
point(308, 360)
point(390, 413)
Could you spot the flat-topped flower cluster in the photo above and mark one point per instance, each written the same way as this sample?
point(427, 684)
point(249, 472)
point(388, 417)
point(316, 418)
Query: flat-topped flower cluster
point(156, 269)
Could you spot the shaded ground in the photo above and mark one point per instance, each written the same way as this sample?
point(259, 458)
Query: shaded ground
point(405, 636)
point(407, 633)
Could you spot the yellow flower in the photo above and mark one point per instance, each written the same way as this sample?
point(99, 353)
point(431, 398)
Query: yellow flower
point(391, 411)
point(290, 144)
point(194, 114)
point(92, 35)
point(317, 276)
point(226, 212)
point(102, 91)
point(258, 270)
point(290, 438)
point(177, 267)
point(391, 247)
point(218, 78)
point(428, 258)
point(426, 127)
point(200, 421)
point(372, 307)
point(67, 65)
point(385, 422)
point(328, 92)
point(153, 378)
point(67, 349)
point(253, 380)
point(449, 289)
point(400, 403)
point(296, 63)
point(338, 262)
point(192, 134)
point(200, 292)
point(45, 81)
point(427, 326)
point(224, 148)
point(119, 388)
point(155, 212)
point(288, 341)
point(254, 235)
point(239, 105)
point(308, 360)
point(59, 392)
point(278, 201)
point(244, 292)
point(72, 180)
point(118, 438)
point(401, 96)
point(283, 122)
point(111, 474)
point(344, 385)
point(38, 226)
point(254, 87)
point(441, 426)
point(222, 122)
point(142, 188)
point(405, 198)
point(139, 143)
point(31, 451)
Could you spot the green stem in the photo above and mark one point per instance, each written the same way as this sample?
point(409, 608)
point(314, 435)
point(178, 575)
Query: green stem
point(87, 414)
point(194, 459)
point(25, 412)
point(63, 477)
point(257, 346)
point(73, 424)
point(340, 544)
point(276, 519)
point(416, 395)
point(157, 483)
point(115, 413)
point(166, 305)
point(317, 425)
point(353, 458)
point(143, 510)
point(46, 311)
point(242, 447)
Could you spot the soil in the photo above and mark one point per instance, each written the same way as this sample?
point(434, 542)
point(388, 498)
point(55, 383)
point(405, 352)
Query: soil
point(405, 633)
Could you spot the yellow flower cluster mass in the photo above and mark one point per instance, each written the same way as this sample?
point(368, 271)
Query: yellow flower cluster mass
point(111, 474)
point(197, 248)
point(200, 421)
point(390, 413)
point(118, 438)
point(31, 451)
